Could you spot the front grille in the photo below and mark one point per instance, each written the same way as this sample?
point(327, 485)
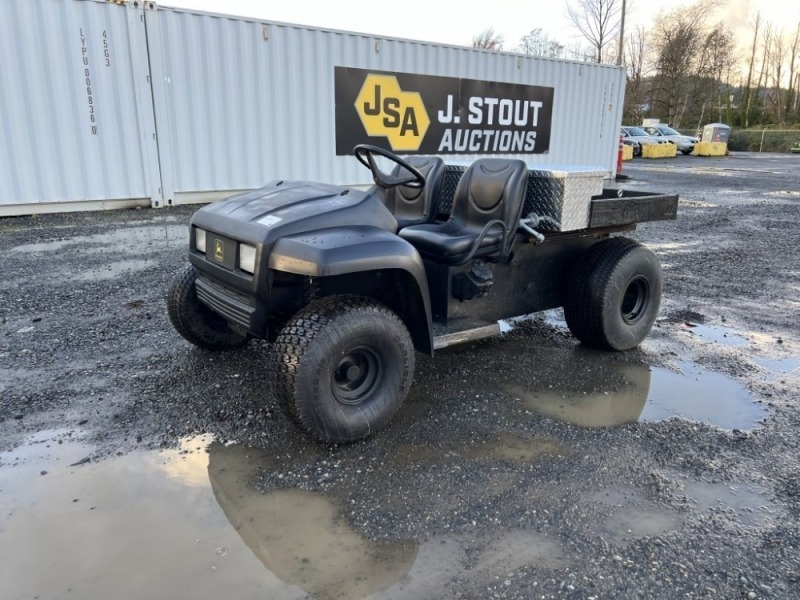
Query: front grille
point(231, 305)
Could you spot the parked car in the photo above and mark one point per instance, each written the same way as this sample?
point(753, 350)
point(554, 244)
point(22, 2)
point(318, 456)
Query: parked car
point(685, 143)
point(628, 141)
point(637, 136)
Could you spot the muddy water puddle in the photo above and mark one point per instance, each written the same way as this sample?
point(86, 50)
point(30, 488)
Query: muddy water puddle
point(715, 334)
point(189, 523)
point(647, 394)
point(779, 366)
point(138, 526)
point(743, 503)
point(602, 392)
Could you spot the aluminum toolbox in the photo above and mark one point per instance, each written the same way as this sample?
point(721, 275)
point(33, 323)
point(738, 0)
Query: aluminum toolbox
point(560, 198)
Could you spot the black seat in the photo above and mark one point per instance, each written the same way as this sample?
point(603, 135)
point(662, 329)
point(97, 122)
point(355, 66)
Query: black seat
point(416, 206)
point(486, 210)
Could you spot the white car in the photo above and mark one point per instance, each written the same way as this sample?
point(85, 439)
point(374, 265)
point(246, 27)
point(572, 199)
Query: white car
point(685, 143)
point(637, 137)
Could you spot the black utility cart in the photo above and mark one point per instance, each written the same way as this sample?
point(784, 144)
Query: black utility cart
point(348, 284)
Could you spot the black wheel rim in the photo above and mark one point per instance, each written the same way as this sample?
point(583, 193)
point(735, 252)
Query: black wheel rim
point(357, 376)
point(635, 299)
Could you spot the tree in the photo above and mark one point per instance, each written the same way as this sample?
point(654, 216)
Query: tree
point(635, 75)
point(683, 46)
point(597, 21)
point(538, 43)
point(791, 93)
point(747, 95)
point(488, 39)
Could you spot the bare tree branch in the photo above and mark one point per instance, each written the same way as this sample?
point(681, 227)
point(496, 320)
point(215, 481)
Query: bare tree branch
point(488, 39)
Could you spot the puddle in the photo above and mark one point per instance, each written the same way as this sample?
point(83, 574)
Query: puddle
point(700, 395)
point(632, 517)
point(779, 366)
point(744, 503)
point(644, 394)
point(605, 407)
point(182, 523)
point(132, 240)
point(715, 334)
point(189, 523)
point(300, 536)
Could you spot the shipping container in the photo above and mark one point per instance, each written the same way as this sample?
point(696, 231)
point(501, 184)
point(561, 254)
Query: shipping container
point(113, 104)
point(74, 117)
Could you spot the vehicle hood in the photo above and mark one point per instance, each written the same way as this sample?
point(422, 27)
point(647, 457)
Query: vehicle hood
point(288, 207)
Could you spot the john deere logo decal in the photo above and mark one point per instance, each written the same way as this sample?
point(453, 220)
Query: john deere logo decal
point(409, 113)
point(219, 251)
point(386, 110)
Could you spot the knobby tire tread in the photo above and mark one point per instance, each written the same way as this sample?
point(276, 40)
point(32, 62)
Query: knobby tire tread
point(292, 343)
point(589, 290)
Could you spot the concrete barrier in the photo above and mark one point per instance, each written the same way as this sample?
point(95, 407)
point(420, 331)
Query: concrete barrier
point(659, 150)
point(627, 152)
point(710, 149)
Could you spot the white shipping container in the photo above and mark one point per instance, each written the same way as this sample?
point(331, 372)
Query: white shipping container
point(195, 106)
point(75, 120)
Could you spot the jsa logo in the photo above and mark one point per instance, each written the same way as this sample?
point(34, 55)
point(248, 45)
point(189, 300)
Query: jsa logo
point(386, 110)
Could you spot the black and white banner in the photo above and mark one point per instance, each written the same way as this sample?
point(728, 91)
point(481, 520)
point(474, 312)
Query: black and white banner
point(425, 114)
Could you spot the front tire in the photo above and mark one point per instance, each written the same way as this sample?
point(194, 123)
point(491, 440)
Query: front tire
point(196, 322)
point(342, 366)
point(614, 295)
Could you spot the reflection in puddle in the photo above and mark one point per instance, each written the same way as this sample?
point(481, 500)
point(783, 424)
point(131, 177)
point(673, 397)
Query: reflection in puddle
point(188, 518)
point(602, 408)
point(701, 395)
point(143, 525)
point(188, 523)
point(301, 536)
point(645, 395)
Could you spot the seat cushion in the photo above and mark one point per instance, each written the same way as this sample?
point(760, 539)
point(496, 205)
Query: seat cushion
point(449, 242)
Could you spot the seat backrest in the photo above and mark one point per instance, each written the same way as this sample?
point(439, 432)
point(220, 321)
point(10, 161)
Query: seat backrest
point(491, 188)
point(416, 206)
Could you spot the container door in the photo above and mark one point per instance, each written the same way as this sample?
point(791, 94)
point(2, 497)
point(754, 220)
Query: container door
point(77, 111)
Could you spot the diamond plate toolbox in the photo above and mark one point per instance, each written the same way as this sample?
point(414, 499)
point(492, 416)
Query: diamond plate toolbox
point(559, 199)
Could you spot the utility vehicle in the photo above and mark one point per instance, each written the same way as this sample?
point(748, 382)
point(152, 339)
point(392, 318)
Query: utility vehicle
point(347, 284)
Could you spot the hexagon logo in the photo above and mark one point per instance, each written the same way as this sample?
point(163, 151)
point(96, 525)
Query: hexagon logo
point(386, 110)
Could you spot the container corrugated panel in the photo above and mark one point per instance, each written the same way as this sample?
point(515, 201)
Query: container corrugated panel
point(72, 121)
point(248, 101)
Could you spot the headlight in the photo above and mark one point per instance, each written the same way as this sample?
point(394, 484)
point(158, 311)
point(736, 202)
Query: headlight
point(247, 258)
point(200, 239)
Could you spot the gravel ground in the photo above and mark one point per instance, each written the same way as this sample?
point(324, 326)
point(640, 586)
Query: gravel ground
point(498, 500)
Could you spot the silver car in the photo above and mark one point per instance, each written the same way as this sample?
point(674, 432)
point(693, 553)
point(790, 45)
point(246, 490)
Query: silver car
point(636, 137)
point(685, 143)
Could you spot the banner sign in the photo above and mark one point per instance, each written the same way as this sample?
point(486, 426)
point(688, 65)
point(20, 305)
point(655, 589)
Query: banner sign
point(426, 114)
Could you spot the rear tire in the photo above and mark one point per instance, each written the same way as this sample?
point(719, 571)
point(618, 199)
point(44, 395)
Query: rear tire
point(196, 322)
point(342, 366)
point(614, 295)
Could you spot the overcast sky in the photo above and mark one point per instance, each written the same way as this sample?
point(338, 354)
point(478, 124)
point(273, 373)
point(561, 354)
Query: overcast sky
point(458, 22)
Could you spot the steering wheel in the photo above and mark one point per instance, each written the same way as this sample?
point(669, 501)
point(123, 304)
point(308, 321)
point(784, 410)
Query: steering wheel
point(365, 155)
